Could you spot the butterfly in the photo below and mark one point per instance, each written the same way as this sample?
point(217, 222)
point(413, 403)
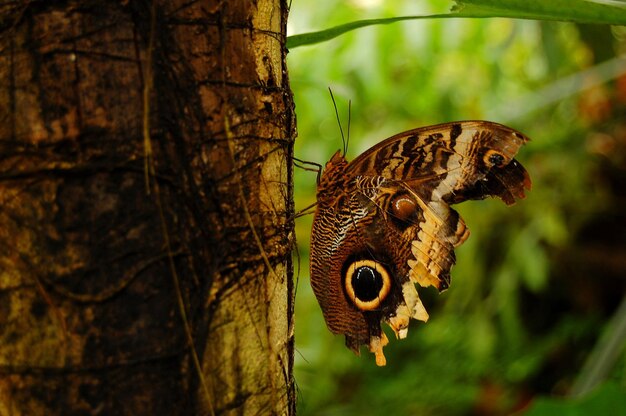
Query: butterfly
point(384, 223)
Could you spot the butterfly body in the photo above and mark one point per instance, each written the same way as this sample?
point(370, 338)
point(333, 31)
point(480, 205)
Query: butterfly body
point(383, 222)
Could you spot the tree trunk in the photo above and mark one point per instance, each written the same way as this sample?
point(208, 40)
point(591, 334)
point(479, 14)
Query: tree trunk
point(145, 208)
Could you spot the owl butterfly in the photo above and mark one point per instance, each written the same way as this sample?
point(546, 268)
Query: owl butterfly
point(383, 222)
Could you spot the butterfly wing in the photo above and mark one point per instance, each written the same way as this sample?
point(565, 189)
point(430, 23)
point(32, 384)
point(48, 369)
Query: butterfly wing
point(442, 165)
point(383, 222)
point(339, 222)
point(452, 162)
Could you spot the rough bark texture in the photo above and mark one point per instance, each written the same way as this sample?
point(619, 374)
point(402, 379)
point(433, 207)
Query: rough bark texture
point(108, 292)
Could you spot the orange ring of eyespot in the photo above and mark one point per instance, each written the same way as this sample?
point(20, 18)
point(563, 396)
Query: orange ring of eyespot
point(382, 293)
point(487, 158)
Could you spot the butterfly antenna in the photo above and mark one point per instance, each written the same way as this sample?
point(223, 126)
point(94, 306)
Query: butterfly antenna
point(332, 97)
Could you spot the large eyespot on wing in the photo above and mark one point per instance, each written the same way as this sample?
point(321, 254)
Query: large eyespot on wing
point(367, 283)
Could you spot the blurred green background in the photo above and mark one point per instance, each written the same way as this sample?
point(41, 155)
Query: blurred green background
point(537, 284)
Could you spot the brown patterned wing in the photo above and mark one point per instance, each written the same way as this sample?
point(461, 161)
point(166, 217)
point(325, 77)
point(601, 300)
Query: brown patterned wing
point(374, 226)
point(383, 222)
point(340, 219)
point(420, 238)
point(452, 162)
point(442, 165)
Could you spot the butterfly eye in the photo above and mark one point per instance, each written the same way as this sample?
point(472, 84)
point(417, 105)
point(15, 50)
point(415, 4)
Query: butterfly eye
point(494, 158)
point(403, 210)
point(367, 283)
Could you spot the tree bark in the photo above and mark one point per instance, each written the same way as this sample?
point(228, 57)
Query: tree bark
point(145, 208)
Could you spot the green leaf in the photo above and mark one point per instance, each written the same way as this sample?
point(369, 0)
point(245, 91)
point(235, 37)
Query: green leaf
point(610, 12)
point(328, 34)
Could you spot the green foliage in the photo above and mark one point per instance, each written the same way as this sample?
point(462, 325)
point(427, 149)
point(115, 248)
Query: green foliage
point(519, 318)
point(579, 11)
point(609, 399)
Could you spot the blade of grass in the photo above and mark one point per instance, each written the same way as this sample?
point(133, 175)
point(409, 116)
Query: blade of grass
point(604, 355)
